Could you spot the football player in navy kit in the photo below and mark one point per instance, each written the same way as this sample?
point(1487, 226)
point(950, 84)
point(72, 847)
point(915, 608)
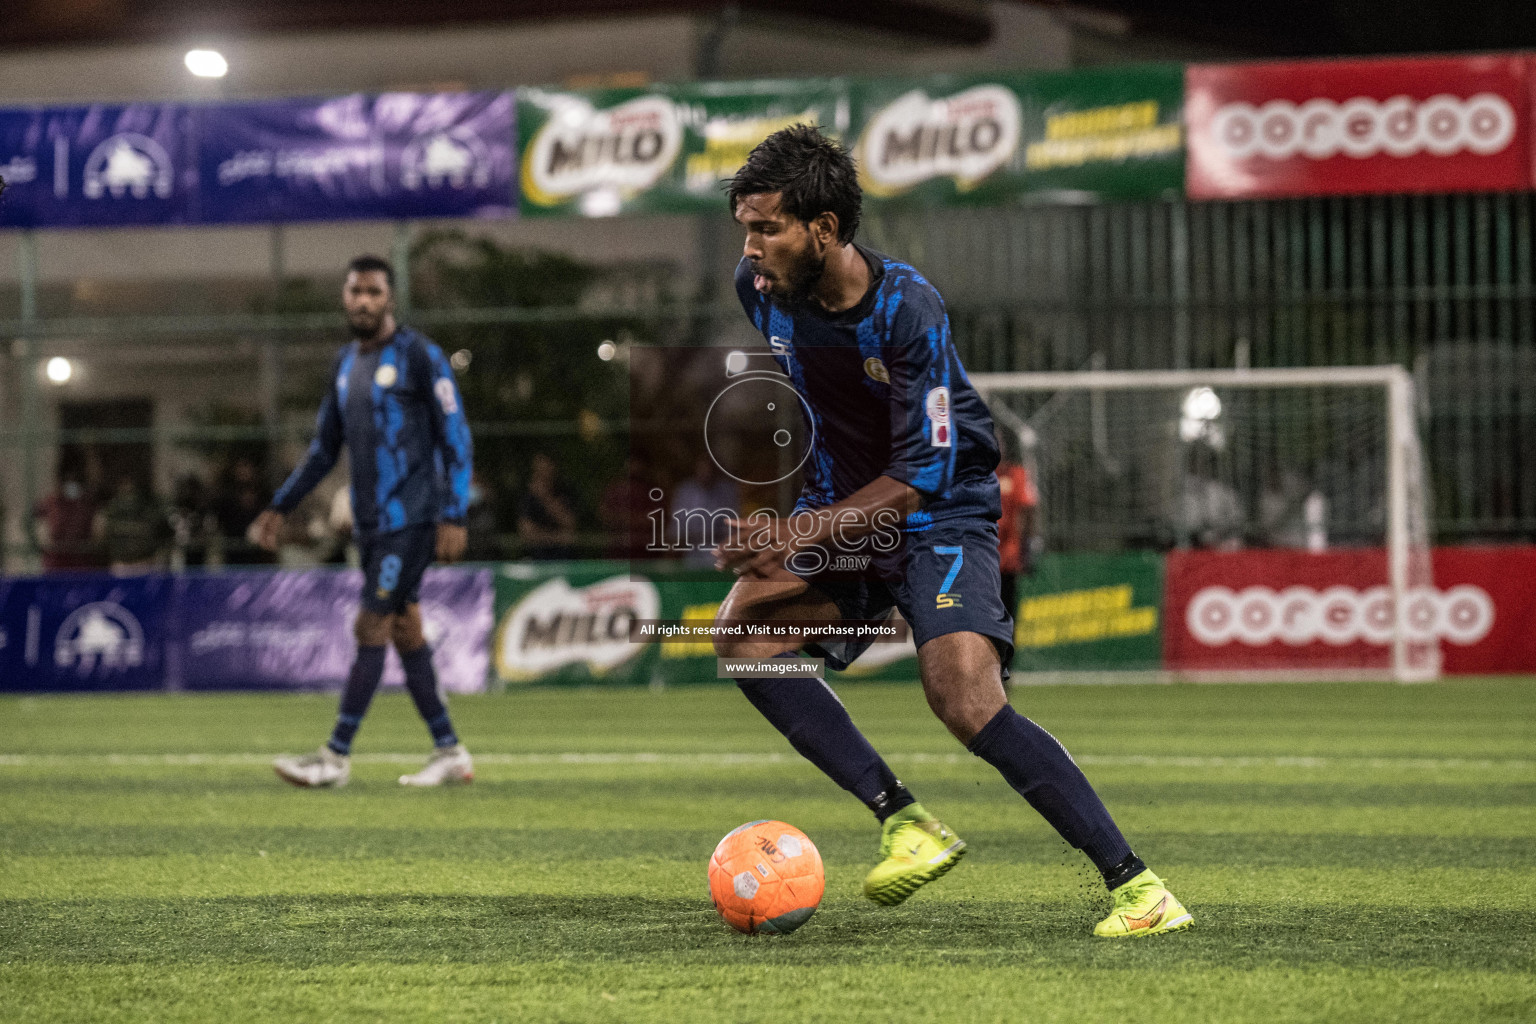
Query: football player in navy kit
point(393, 402)
point(901, 445)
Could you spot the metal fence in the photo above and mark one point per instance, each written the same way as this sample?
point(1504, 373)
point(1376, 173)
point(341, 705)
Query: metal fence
point(1440, 284)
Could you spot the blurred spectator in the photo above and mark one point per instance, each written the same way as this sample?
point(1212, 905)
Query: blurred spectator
point(1292, 514)
point(1017, 533)
point(1211, 513)
point(624, 511)
point(191, 520)
point(484, 541)
point(545, 522)
point(65, 524)
point(700, 506)
point(136, 528)
point(241, 499)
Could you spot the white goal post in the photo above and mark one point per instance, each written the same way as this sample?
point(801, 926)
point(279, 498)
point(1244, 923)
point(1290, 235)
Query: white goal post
point(1346, 437)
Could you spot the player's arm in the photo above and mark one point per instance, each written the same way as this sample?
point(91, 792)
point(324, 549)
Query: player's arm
point(921, 462)
point(923, 429)
point(323, 452)
point(455, 449)
point(879, 507)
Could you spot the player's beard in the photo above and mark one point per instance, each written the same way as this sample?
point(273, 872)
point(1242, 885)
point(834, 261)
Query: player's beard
point(800, 277)
point(364, 326)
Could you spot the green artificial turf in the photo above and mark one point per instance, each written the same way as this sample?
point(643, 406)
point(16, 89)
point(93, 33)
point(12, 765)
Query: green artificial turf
point(1350, 852)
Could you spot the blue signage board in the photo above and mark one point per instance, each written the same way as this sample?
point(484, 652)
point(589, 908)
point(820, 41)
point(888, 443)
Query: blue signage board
point(84, 632)
point(288, 629)
point(395, 155)
point(97, 166)
point(360, 157)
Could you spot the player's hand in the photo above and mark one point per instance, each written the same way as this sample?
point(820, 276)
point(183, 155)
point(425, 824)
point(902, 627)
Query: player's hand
point(452, 539)
point(756, 549)
point(266, 529)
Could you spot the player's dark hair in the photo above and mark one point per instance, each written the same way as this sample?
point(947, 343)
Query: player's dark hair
point(367, 264)
point(812, 174)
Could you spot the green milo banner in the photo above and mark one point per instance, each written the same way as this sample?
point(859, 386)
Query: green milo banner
point(661, 150)
point(1112, 134)
point(1091, 612)
point(569, 623)
point(987, 139)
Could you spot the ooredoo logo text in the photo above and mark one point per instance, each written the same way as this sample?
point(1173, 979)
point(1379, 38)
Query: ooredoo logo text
point(1361, 127)
point(1339, 615)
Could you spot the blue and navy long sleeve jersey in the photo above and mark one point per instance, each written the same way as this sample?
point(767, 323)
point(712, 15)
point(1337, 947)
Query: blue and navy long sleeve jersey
point(885, 395)
point(398, 411)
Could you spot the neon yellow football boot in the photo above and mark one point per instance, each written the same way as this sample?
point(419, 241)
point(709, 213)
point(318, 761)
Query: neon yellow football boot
point(915, 849)
point(1143, 906)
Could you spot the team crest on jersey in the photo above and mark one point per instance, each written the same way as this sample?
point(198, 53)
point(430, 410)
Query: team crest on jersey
point(941, 432)
point(386, 375)
point(875, 370)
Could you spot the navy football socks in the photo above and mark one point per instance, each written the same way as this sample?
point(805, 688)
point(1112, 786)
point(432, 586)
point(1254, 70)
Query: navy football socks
point(421, 681)
point(362, 681)
point(817, 725)
point(1036, 765)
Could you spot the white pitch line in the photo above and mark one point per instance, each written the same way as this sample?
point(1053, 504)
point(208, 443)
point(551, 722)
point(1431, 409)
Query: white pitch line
point(726, 759)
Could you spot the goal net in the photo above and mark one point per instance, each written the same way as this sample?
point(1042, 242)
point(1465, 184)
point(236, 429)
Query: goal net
point(1290, 504)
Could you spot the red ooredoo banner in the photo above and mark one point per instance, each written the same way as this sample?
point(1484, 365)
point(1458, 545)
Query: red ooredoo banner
point(1347, 127)
point(1278, 610)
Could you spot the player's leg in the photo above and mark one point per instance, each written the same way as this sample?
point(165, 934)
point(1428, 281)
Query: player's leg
point(951, 595)
point(331, 764)
point(962, 679)
point(1010, 594)
point(410, 552)
point(806, 710)
point(450, 761)
point(914, 848)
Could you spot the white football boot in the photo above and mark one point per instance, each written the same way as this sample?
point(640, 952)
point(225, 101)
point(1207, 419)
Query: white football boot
point(324, 767)
point(446, 765)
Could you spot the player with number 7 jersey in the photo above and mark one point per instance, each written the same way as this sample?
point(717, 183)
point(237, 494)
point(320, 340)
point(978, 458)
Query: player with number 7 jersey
point(901, 472)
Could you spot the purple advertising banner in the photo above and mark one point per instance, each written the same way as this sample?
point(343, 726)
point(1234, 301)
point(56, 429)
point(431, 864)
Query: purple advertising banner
point(293, 629)
point(221, 631)
point(395, 155)
point(97, 165)
point(85, 632)
point(382, 157)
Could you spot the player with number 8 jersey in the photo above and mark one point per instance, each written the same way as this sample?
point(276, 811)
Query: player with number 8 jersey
point(392, 401)
point(900, 472)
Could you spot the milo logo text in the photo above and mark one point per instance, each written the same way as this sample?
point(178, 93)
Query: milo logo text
point(556, 625)
point(581, 149)
point(966, 137)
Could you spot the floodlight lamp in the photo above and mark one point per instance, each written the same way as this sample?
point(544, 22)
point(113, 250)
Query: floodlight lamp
point(207, 63)
point(1202, 404)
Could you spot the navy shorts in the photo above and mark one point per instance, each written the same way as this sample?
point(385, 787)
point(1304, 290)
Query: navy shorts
point(393, 564)
point(944, 579)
